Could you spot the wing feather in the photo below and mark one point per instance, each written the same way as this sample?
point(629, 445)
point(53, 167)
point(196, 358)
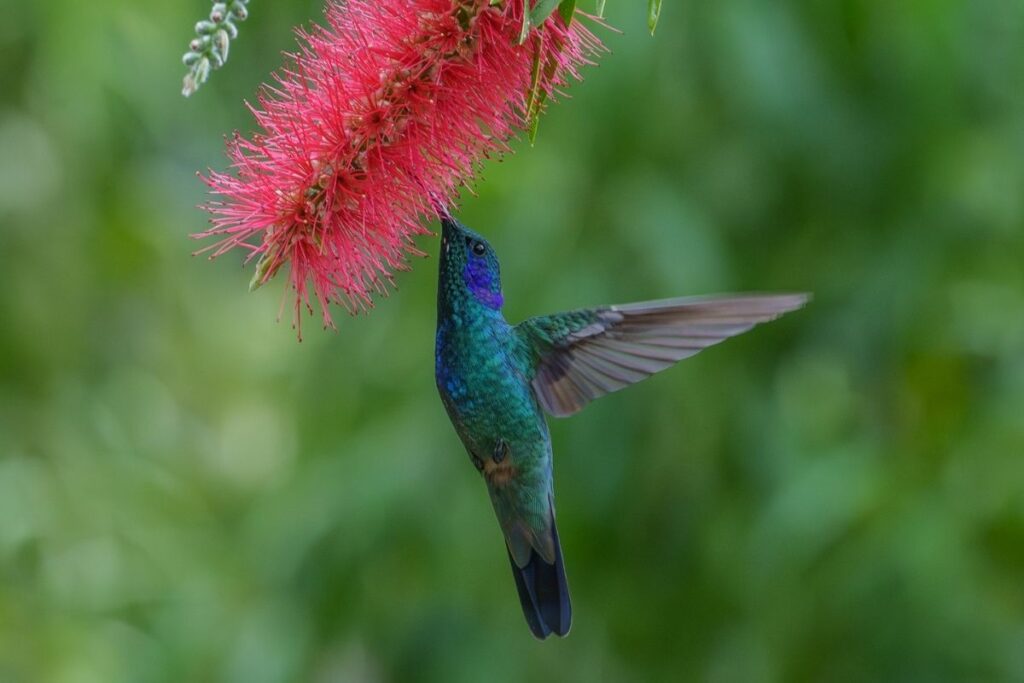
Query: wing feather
point(585, 354)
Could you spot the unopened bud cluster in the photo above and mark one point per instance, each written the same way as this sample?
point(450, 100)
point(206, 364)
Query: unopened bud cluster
point(209, 49)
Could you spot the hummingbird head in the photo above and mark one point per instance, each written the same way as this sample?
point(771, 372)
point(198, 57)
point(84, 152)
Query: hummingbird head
point(468, 262)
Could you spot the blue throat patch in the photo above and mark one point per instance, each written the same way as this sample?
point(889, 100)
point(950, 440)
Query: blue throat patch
point(480, 281)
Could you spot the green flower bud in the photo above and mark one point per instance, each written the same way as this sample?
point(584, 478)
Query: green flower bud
point(209, 49)
point(202, 70)
point(221, 42)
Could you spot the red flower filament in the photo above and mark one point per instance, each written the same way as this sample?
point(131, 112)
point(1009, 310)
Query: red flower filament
point(374, 124)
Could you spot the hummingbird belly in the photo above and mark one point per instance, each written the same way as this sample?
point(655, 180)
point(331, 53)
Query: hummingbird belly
point(496, 418)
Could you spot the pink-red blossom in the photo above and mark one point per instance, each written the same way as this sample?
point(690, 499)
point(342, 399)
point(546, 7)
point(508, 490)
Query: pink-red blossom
point(372, 127)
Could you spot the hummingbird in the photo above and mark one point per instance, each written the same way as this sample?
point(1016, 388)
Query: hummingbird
point(497, 381)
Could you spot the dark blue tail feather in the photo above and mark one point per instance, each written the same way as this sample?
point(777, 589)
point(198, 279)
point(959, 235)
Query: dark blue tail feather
point(544, 592)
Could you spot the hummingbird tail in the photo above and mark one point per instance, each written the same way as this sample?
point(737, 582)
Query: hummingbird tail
point(544, 592)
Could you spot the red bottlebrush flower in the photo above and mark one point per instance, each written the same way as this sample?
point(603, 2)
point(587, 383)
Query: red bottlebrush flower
point(376, 122)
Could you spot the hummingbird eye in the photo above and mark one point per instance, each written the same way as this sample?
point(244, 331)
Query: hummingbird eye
point(479, 248)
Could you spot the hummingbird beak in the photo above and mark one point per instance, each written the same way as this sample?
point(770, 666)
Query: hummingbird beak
point(449, 232)
point(449, 226)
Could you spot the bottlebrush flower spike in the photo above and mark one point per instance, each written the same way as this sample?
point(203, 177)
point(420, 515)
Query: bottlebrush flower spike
point(375, 123)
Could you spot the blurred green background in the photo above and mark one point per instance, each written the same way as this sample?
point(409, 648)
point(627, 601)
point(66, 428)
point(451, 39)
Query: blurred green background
point(188, 494)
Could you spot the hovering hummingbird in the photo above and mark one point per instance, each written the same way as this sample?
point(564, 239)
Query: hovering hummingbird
point(497, 380)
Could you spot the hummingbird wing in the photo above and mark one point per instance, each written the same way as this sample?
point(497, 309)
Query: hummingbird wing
point(584, 354)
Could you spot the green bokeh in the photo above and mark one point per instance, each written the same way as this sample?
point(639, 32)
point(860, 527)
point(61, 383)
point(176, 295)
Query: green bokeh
point(188, 494)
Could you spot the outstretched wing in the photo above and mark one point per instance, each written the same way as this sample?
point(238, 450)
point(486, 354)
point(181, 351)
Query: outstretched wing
point(582, 355)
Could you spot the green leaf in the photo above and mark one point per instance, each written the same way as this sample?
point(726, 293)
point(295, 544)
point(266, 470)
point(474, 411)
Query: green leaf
point(653, 12)
point(538, 95)
point(567, 8)
point(532, 130)
point(532, 108)
point(600, 9)
point(266, 268)
point(542, 10)
point(525, 29)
